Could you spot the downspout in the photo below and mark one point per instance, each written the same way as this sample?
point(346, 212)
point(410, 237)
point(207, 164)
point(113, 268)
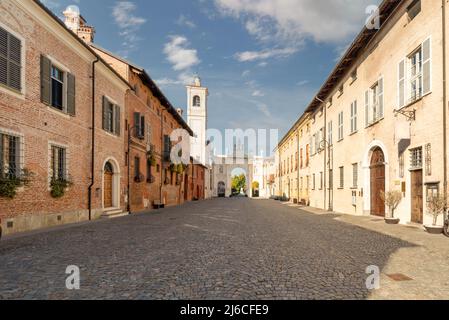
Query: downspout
point(444, 99)
point(297, 164)
point(92, 168)
point(162, 155)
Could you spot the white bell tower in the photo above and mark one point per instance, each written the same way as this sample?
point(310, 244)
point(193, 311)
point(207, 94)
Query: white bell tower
point(197, 119)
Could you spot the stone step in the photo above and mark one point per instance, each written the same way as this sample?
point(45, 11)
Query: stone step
point(110, 214)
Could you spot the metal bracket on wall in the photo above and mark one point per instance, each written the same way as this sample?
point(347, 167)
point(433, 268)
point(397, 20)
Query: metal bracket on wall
point(410, 115)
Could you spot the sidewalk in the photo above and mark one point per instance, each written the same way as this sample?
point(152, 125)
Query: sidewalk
point(417, 272)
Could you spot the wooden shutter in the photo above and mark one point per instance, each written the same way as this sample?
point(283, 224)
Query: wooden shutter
point(45, 80)
point(3, 57)
point(380, 96)
point(104, 113)
point(71, 91)
point(401, 84)
point(427, 66)
point(355, 116)
point(14, 65)
point(117, 120)
point(137, 124)
point(367, 116)
point(142, 127)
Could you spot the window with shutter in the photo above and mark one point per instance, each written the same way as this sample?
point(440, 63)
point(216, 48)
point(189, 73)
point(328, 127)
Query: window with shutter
point(354, 117)
point(427, 66)
point(45, 80)
point(117, 120)
point(380, 99)
point(367, 117)
point(330, 133)
point(10, 60)
point(142, 127)
point(58, 163)
point(71, 94)
point(340, 126)
point(401, 84)
point(137, 124)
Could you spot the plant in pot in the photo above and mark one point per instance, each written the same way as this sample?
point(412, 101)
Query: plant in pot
point(436, 205)
point(58, 187)
point(392, 199)
point(9, 183)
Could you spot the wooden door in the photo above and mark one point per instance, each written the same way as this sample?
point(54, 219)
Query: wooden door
point(108, 177)
point(417, 196)
point(377, 183)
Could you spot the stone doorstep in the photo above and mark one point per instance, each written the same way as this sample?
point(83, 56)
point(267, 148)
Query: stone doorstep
point(113, 213)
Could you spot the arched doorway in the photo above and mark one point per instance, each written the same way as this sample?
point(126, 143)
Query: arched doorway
point(377, 175)
point(111, 184)
point(221, 189)
point(108, 175)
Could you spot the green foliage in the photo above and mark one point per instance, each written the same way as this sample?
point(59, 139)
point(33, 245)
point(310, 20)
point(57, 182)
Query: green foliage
point(255, 185)
point(58, 187)
point(10, 184)
point(239, 182)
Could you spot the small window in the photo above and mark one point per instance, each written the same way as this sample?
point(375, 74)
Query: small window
point(353, 76)
point(58, 163)
point(137, 169)
point(57, 88)
point(342, 177)
point(354, 117)
point(340, 126)
point(340, 91)
point(416, 158)
point(414, 9)
point(196, 101)
point(10, 156)
point(10, 60)
point(355, 175)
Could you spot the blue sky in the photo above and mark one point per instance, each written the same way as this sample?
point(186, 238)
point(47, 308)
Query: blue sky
point(263, 60)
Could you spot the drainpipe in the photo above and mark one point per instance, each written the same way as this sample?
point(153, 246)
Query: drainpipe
point(92, 168)
point(325, 153)
point(298, 156)
point(444, 99)
point(162, 155)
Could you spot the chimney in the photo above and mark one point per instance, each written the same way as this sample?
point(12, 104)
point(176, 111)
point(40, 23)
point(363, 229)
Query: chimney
point(180, 111)
point(75, 22)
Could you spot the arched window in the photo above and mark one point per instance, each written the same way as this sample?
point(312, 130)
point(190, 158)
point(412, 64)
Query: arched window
point(196, 101)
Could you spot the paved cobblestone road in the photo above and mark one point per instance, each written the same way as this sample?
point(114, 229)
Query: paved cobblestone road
point(217, 249)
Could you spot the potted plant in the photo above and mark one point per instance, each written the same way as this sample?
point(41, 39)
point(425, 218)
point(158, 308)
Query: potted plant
point(392, 199)
point(436, 205)
point(58, 187)
point(10, 183)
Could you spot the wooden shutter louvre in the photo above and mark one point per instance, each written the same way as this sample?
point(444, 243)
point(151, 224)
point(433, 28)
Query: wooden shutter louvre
point(401, 84)
point(3, 56)
point(45, 80)
point(71, 94)
point(427, 65)
point(137, 129)
point(142, 127)
point(117, 120)
point(380, 110)
point(104, 117)
point(14, 63)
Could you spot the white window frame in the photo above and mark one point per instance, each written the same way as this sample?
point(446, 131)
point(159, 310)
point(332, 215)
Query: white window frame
point(5, 89)
point(21, 144)
point(66, 71)
point(67, 159)
point(354, 117)
point(375, 103)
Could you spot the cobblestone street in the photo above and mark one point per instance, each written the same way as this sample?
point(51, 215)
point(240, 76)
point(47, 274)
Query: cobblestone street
point(222, 249)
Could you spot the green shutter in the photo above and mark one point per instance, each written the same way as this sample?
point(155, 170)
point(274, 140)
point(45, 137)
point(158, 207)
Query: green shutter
point(14, 66)
point(71, 94)
point(117, 120)
point(136, 124)
point(142, 127)
point(45, 80)
point(104, 113)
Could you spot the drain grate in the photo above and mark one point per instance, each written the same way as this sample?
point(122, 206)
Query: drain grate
point(398, 277)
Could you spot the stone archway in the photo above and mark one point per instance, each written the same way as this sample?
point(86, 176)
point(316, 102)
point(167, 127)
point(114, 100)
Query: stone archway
point(111, 184)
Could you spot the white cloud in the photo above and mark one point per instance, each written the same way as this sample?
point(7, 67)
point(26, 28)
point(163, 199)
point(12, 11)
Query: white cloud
point(183, 21)
point(302, 83)
point(248, 56)
point(246, 73)
point(179, 55)
point(128, 23)
point(292, 21)
point(258, 93)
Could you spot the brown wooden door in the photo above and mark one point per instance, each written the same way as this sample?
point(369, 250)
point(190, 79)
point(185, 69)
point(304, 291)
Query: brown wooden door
point(108, 176)
point(417, 197)
point(377, 183)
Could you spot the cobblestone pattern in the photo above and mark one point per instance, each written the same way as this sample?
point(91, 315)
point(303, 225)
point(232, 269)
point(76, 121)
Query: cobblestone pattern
point(217, 249)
